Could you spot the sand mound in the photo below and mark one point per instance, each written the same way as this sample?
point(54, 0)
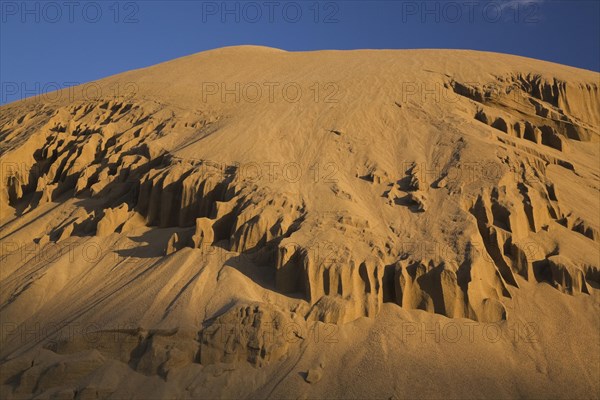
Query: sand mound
point(220, 231)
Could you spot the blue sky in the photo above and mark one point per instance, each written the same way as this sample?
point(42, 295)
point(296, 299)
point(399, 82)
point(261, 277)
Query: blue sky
point(45, 45)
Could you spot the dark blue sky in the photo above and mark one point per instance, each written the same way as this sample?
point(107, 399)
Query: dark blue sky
point(51, 44)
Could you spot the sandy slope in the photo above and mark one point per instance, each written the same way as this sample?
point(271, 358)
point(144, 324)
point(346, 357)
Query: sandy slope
point(250, 223)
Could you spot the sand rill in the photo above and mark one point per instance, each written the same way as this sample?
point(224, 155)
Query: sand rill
point(331, 224)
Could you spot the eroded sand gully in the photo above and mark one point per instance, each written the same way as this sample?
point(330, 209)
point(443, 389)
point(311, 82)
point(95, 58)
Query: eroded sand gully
point(425, 226)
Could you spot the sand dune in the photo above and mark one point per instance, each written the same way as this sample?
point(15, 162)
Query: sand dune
point(253, 223)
